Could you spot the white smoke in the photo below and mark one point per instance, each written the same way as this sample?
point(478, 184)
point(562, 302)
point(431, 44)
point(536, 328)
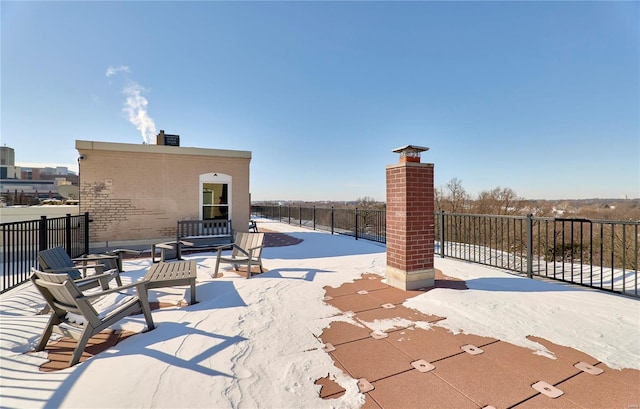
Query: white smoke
point(136, 109)
point(111, 71)
point(135, 105)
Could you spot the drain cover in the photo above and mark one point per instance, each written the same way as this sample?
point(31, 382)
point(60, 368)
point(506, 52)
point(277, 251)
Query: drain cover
point(362, 292)
point(378, 334)
point(328, 348)
point(364, 386)
point(590, 369)
point(471, 349)
point(422, 365)
point(546, 389)
point(388, 305)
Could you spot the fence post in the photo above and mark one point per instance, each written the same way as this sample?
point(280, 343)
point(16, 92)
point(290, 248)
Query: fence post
point(356, 215)
point(530, 245)
point(442, 229)
point(86, 232)
point(300, 215)
point(67, 233)
point(332, 219)
point(42, 239)
point(314, 217)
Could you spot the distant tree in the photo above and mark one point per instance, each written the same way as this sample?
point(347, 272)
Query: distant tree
point(497, 201)
point(368, 211)
point(367, 202)
point(453, 198)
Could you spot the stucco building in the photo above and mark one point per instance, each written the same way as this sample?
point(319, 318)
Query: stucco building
point(135, 194)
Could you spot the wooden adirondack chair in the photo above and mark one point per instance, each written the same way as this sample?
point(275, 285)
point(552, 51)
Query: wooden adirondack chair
point(246, 250)
point(56, 260)
point(63, 297)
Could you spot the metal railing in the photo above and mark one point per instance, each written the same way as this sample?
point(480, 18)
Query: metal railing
point(595, 253)
point(21, 242)
point(601, 254)
point(366, 224)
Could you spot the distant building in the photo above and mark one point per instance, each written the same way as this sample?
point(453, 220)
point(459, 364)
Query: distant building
point(30, 184)
point(7, 156)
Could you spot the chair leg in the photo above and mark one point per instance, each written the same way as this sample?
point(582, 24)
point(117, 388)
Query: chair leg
point(104, 283)
point(82, 343)
point(146, 310)
point(215, 274)
point(249, 268)
point(118, 279)
point(46, 334)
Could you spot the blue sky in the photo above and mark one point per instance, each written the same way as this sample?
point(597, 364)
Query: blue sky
point(541, 97)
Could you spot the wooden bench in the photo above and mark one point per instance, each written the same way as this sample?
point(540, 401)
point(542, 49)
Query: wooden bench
point(195, 234)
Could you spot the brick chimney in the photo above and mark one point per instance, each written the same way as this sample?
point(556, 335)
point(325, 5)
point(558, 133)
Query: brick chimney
point(410, 221)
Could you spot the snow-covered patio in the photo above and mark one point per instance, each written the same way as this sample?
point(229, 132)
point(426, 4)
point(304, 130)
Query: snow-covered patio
point(257, 343)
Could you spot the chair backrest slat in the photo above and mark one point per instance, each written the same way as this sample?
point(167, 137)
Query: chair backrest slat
point(247, 241)
point(62, 289)
point(57, 258)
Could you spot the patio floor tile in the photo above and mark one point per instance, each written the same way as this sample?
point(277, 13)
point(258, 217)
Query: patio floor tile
point(357, 285)
point(600, 391)
point(363, 359)
point(541, 401)
point(530, 366)
point(355, 302)
point(629, 376)
point(476, 340)
point(483, 380)
point(340, 332)
point(431, 345)
point(330, 388)
point(565, 353)
point(370, 403)
point(370, 316)
point(414, 389)
point(59, 352)
point(393, 295)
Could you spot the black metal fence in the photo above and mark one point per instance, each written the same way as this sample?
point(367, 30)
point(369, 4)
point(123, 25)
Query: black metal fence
point(22, 240)
point(596, 253)
point(367, 224)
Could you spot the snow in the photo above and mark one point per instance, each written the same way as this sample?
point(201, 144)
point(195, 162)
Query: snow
point(254, 343)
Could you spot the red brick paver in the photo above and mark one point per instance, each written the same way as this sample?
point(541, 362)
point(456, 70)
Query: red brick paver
point(501, 375)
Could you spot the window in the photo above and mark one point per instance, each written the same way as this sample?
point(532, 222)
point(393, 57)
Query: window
point(215, 199)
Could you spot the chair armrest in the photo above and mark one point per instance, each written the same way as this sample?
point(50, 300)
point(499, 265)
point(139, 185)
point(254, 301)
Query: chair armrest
point(224, 246)
point(95, 277)
point(127, 251)
point(98, 267)
point(169, 245)
point(138, 284)
point(95, 257)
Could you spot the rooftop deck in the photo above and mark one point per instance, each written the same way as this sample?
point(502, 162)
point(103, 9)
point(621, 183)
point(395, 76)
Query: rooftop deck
point(321, 329)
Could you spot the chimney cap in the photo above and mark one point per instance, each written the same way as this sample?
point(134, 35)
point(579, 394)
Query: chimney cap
point(411, 148)
point(410, 153)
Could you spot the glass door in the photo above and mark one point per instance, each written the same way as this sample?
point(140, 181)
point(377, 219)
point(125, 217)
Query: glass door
point(215, 201)
point(215, 196)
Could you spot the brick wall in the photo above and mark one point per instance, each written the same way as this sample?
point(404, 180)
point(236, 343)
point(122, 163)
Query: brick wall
point(138, 192)
point(410, 216)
